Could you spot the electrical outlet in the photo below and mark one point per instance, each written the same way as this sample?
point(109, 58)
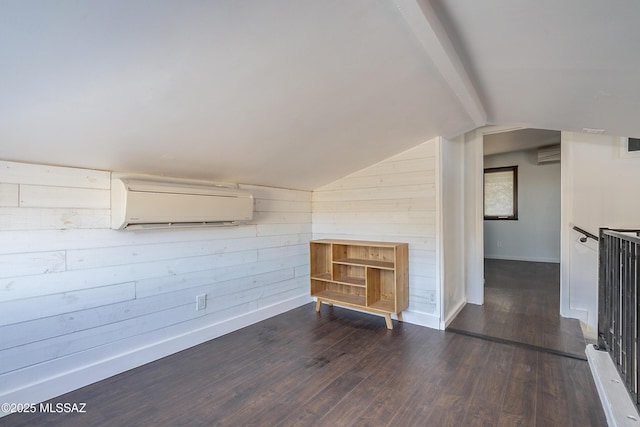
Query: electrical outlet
point(499, 243)
point(201, 302)
point(431, 297)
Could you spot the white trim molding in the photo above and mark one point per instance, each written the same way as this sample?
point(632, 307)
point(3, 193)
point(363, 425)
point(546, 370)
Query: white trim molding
point(474, 217)
point(616, 402)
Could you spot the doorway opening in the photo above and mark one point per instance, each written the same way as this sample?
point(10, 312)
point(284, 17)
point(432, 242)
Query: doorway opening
point(521, 222)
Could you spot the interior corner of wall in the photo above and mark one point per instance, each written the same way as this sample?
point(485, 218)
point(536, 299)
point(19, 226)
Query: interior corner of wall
point(589, 332)
point(576, 313)
point(449, 317)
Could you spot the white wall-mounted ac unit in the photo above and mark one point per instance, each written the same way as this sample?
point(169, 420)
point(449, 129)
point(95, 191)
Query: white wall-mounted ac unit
point(148, 203)
point(549, 154)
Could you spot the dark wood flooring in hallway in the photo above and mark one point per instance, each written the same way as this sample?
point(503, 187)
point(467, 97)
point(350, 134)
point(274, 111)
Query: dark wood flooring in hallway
point(522, 305)
point(340, 368)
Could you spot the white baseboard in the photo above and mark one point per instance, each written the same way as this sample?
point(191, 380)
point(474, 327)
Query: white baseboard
point(58, 383)
point(421, 319)
point(523, 258)
point(616, 402)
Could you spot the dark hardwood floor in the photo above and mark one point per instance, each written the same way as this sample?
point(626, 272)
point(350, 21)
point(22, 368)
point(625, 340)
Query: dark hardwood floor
point(340, 368)
point(522, 304)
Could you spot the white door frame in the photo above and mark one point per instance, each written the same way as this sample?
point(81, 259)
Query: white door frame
point(474, 216)
point(566, 242)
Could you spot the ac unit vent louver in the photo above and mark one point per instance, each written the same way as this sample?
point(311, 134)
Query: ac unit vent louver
point(549, 154)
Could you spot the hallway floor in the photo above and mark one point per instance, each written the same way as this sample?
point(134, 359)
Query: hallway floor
point(522, 305)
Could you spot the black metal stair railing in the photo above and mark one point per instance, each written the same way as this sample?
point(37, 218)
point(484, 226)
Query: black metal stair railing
point(618, 302)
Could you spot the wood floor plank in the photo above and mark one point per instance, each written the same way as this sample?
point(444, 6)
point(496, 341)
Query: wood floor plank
point(339, 368)
point(490, 389)
point(418, 408)
point(323, 401)
point(319, 372)
point(523, 381)
point(580, 382)
point(325, 369)
point(551, 406)
point(379, 368)
point(405, 390)
point(388, 405)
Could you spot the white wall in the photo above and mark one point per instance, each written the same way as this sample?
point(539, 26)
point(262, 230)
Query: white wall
point(473, 217)
point(80, 302)
point(394, 200)
point(453, 225)
point(600, 189)
point(535, 236)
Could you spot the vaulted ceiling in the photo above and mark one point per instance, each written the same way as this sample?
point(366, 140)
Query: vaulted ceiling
point(299, 93)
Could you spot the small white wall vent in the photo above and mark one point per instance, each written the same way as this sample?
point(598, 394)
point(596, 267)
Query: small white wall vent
point(549, 154)
point(151, 203)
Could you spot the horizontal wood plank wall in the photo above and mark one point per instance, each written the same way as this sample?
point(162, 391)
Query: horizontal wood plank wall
point(394, 200)
point(74, 292)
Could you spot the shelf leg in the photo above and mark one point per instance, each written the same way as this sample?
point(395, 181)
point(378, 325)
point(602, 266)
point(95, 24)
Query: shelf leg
point(400, 317)
point(387, 318)
point(318, 304)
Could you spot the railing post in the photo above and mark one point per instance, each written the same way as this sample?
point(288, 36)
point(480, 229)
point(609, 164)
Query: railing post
point(603, 321)
point(636, 323)
point(619, 303)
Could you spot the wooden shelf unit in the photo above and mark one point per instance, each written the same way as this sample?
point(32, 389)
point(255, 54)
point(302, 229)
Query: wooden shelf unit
point(369, 276)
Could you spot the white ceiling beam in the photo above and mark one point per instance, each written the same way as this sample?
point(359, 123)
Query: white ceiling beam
point(428, 29)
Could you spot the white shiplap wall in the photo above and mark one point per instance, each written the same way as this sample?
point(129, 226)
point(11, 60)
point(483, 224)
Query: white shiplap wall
point(80, 302)
point(394, 200)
